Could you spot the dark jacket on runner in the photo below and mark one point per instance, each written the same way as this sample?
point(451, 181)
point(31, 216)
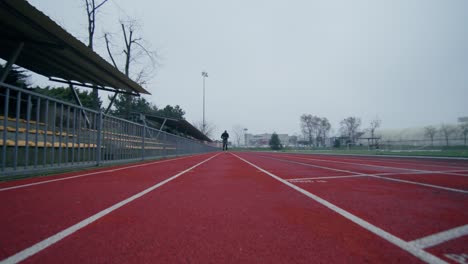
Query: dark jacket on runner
point(225, 136)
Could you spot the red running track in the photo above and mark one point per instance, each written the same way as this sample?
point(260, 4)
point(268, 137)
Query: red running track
point(242, 207)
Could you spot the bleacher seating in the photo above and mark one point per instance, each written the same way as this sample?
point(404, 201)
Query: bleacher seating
point(36, 139)
point(125, 140)
point(22, 121)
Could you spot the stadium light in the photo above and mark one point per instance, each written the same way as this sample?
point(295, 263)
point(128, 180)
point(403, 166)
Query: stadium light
point(204, 74)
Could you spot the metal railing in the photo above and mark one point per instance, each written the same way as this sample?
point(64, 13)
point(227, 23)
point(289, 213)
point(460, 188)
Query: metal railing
point(42, 133)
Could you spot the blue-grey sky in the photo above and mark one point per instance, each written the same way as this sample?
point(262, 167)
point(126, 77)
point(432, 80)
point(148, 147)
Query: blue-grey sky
point(269, 62)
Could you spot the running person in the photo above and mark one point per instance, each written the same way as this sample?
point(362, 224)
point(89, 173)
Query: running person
point(225, 137)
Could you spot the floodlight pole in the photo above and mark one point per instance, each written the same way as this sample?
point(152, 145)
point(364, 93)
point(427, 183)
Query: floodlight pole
point(204, 74)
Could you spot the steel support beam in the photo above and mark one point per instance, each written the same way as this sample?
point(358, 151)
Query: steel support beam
point(91, 86)
point(161, 128)
point(11, 61)
point(111, 102)
point(78, 101)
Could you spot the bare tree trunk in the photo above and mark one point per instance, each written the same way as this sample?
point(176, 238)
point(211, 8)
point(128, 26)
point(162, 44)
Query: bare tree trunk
point(91, 9)
point(128, 54)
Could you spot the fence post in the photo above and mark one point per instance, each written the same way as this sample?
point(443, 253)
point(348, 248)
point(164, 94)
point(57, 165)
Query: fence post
point(99, 136)
point(143, 142)
point(5, 124)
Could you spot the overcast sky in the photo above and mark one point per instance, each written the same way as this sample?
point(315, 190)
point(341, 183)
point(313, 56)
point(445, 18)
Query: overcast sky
point(269, 62)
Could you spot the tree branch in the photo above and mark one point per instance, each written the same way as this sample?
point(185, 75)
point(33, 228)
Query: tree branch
point(109, 51)
point(98, 6)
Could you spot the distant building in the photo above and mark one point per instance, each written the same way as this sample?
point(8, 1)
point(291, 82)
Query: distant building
point(262, 140)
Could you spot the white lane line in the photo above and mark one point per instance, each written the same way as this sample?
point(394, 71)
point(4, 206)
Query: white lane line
point(389, 167)
point(408, 247)
point(317, 166)
point(373, 175)
point(26, 253)
point(87, 174)
point(371, 165)
point(406, 163)
point(420, 183)
point(376, 174)
point(439, 238)
point(446, 165)
point(356, 176)
point(445, 159)
point(419, 172)
point(325, 178)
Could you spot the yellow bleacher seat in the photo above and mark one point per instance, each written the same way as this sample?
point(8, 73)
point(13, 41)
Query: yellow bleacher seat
point(42, 144)
point(22, 143)
point(8, 142)
point(64, 134)
point(33, 131)
point(13, 129)
point(58, 144)
point(69, 144)
point(13, 119)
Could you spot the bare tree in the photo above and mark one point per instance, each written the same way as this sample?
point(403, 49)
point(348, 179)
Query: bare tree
point(293, 140)
point(238, 131)
point(208, 130)
point(135, 52)
point(447, 131)
point(91, 10)
point(309, 126)
point(323, 128)
point(107, 38)
point(374, 124)
point(430, 132)
point(350, 127)
point(464, 131)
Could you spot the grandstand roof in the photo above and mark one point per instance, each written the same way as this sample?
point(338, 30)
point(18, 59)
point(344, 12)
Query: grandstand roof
point(181, 125)
point(51, 51)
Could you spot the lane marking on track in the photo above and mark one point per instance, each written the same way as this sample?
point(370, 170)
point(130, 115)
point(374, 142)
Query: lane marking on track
point(28, 252)
point(420, 172)
point(445, 159)
point(419, 183)
point(326, 177)
point(371, 165)
point(408, 247)
point(406, 163)
point(88, 174)
point(307, 181)
point(372, 175)
point(439, 238)
point(369, 174)
point(317, 166)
